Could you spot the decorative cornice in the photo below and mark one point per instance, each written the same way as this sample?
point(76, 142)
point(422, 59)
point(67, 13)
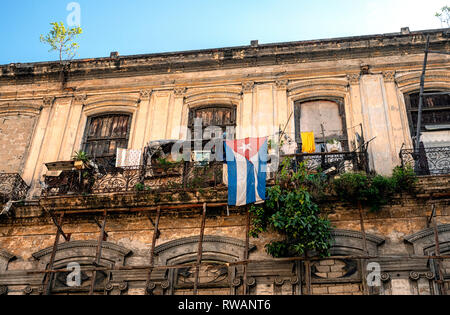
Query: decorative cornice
point(427, 233)
point(247, 87)
point(122, 251)
point(206, 239)
point(358, 235)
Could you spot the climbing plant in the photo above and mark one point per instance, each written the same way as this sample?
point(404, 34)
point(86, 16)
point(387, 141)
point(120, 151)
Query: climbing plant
point(292, 211)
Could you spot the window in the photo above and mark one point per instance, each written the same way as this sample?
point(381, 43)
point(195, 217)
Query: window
point(325, 118)
point(104, 135)
point(435, 115)
point(220, 116)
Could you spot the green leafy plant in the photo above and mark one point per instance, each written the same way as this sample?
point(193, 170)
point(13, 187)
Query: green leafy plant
point(374, 191)
point(62, 40)
point(81, 156)
point(139, 187)
point(444, 16)
point(291, 211)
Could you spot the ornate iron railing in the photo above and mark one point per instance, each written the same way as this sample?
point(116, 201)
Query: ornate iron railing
point(333, 163)
point(12, 187)
point(182, 176)
point(427, 161)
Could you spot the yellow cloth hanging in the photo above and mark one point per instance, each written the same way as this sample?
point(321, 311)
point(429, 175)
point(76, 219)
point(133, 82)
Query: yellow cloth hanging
point(308, 142)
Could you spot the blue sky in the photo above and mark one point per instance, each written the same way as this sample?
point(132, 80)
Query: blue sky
point(150, 26)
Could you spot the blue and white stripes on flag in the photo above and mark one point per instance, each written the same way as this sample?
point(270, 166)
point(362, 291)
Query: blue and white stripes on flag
point(247, 169)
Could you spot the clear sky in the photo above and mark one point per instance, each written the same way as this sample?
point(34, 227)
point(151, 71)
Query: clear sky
point(150, 26)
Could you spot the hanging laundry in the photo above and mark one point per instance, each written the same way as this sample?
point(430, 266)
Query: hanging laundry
point(308, 142)
point(128, 158)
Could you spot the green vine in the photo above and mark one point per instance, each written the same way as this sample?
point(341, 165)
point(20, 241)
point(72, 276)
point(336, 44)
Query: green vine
point(292, 211)
point(374, 191)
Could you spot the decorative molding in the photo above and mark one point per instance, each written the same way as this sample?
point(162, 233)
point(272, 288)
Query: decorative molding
point(346, 242)
point(80, 98)
point(281, 84)
point(3, 290)
point(207, 239)
point(179, 91)
point(5, 255)
point(414, 275)
point(424, 241)
point(48, 101)
point(145, 94)
point(74, 245)
point(10, 108)
point(247, 87)
point(385, 277)
point(389, 76)
point(353, 78)
point(318, 88)
point(427, 233)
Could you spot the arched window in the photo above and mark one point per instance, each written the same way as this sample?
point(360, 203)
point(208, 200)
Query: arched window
point(104, 135)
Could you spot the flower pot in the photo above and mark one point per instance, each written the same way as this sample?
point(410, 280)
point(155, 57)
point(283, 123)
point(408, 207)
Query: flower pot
point(79, 165)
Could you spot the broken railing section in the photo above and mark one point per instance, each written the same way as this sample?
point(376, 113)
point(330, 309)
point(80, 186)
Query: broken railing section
point(180, 176)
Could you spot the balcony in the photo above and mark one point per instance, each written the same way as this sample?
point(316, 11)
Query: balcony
point(427, 161)
point(12, 188)
point(332, 163)
point(156, 178)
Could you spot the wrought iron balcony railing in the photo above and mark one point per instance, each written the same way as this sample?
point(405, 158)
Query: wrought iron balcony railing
point(12, 187)
point(427, 161)
point(333, 163)
point(183, 176)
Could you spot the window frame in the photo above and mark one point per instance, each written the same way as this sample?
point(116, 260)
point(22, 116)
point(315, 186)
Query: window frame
point(89, 120)
point(341, 107)
point(410, 110)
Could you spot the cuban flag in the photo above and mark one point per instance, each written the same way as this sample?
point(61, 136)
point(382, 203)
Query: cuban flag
point(247, 169)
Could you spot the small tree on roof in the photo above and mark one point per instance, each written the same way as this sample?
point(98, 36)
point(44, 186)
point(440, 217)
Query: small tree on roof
point(444, 16)
point(62, 40)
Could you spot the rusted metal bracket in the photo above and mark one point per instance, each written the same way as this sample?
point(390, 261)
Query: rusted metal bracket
point(98, 255)
point(156, 235)
point(200, 250)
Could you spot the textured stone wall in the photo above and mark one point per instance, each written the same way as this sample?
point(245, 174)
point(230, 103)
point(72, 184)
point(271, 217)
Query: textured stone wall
point(15, 136)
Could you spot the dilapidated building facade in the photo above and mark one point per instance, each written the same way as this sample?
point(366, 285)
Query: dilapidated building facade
point(137, 228)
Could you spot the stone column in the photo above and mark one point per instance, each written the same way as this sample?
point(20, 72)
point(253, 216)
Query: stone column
point(377, 123)
point(70, 133)
point(282, 107)
point(247, 127)
point(139, 139)
point(177, 112)
point(33, 166)
point(398, 116)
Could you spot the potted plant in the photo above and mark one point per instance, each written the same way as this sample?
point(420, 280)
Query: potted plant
point(81, 160)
